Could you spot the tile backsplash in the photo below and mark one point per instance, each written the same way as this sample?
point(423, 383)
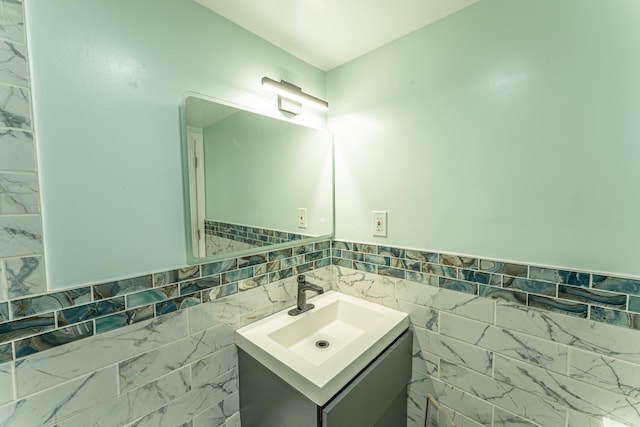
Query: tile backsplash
point(255, 236)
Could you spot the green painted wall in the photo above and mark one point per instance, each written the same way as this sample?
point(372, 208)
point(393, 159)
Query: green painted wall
point(507, 130)
point(108, 77)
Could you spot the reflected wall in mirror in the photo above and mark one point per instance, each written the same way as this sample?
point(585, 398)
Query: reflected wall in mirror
point(247, 178)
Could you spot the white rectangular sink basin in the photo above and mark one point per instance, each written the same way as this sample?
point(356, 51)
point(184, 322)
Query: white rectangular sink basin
point(355, 330)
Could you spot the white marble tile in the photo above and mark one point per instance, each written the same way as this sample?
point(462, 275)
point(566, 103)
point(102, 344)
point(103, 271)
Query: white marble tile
point(20, 235)
point(577, 395)
point(474, 307)
point(6, 383)
point(55, 366)
point(153, 364)
point(223, 311)
point(502, 418)
point(506, 396)
point(214, 365)
point(457, 419)
point(458, 352)
point(15, 106)
point(415, 419)
point(25, 276)
point(610, 374)
point(420, 385)
point(139, 402)
point(4, 293)
point(419, 315)
point(54, 404)
point(233, 421)
point(543, 353)
point(17, 152)
point(608, 340)
point(13, 63)
point(19, 193)
point(578, 419)
point(189, 405)
point(372, 287)
point(11, 20)
point(425, 362)
point(217, 415)
point(463, 403)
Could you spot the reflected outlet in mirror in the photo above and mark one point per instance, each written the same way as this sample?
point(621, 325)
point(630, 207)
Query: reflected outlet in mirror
point(246, 176)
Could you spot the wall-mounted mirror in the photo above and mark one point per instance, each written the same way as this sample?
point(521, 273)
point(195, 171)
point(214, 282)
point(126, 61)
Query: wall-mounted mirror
point(252, 182)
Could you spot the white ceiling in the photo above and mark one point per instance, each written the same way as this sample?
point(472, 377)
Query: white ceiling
point(328, 33)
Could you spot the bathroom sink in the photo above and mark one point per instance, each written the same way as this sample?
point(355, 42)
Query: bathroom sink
point(318, 352)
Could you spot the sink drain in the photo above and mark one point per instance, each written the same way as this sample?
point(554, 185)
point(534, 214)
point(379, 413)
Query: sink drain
point(322, 343)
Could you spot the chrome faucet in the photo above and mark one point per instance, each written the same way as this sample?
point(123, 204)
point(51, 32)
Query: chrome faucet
point(302, 306)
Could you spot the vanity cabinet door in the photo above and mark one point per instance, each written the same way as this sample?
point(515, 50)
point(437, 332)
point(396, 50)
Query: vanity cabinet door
point(378, 396)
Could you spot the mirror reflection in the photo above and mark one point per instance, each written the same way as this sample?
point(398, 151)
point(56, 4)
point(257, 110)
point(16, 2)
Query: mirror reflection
point(252, 181)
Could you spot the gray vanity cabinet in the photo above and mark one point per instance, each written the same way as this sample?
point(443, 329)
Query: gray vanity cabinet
point(376, 397)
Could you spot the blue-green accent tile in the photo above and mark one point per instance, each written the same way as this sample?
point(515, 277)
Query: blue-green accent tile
point(365, 248)
point(274, 266)
point(474, 276)
point(343, 262)
point(593, 296)
point(459, 261)
point(355, 256)
point(4, 312)
point(121, 287)
point(6, 353)
point(180, 303)
point(236, 275)
point(615, 317)
point(543, 273)
point(363, 266)
point(280, 254)
point(422, 256)
point(336, 253)
point(219, 292)
point(378, 260)
point(89, 311)
point(533, 286)
point(392, 252)
point(53, 339)
point(634, 304)
point(250, 260)
point(496, 280)
point(323, 262)
point(391, 272)
point(415, 276)
point(574, 278)
point(440, 270)
point(458, 285)
point(174, 276)
point(509, 269)
point(124, 318)
point(303, 268)
point(253, 282)
point(47, 303)
point(280, 274)
point(198, 285)
point(151, 296)
point(325, 244)
point(342, 245)
point(312, 256)
point(291, 262)
point(559, 306)
point(28, 326)
point(413, 265)
point(219, 267)
point(616, 284)
point(304, 249)
point(502, 294)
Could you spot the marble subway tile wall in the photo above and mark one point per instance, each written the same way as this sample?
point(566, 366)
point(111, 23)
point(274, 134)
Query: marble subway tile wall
point(160, 353)
point(498, 353)
point(21, 245)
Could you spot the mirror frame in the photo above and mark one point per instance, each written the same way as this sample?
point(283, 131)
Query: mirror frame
point(191, 258)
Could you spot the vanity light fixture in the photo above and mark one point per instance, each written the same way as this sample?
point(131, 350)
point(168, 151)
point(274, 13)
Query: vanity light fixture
point(291, 97)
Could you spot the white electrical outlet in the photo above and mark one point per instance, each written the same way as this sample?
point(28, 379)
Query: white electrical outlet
point(379, 223)
point(302, 217)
